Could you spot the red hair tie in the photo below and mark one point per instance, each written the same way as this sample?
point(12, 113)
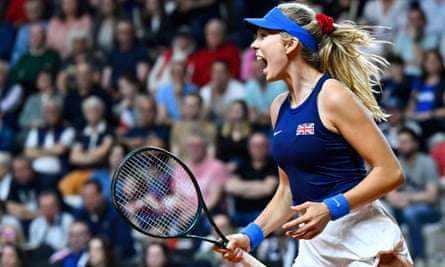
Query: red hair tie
point(326, 23)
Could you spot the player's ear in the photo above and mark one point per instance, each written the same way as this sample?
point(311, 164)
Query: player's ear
point(292, 45)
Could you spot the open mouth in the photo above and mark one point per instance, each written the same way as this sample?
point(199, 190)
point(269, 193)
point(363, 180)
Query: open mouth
point(262, 60)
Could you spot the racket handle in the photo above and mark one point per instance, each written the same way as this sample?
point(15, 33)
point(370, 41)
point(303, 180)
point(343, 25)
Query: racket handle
point(250, 261)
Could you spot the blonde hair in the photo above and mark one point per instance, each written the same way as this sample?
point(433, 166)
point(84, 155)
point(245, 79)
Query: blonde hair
point(340, 56)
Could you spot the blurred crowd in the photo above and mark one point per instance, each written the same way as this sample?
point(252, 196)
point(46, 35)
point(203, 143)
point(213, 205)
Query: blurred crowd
point(83, 82)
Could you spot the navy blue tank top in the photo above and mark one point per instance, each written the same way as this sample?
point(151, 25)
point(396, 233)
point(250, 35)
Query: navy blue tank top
point(318, 162)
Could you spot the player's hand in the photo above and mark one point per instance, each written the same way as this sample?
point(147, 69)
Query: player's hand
point(315, 216)
point(238, 243)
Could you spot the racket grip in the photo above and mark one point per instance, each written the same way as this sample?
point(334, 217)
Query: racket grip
point(250, 261)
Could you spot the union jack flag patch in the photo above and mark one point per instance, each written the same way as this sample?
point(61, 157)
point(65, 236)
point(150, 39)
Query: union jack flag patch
point(307, 128)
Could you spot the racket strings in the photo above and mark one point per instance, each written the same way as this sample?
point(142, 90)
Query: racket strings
point(156, 194)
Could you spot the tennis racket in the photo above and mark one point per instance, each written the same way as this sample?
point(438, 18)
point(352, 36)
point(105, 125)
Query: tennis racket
point(156, 193)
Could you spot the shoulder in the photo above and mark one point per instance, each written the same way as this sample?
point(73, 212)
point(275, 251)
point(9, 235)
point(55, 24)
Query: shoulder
point(335, 95)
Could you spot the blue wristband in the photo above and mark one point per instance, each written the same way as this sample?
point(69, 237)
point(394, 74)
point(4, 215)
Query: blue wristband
point(338, 206)
point(255, 234)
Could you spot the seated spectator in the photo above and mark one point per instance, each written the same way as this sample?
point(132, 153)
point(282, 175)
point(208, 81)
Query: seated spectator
point(38, 56)
point(233, 134)
point(70, 17)
point(104, 24)
point(34, 10)
point(395, 84)
point(169, 96)
point(103, 219)
point(79, 51)
point(90, 149)
point(437, 152)
point(7, 43)
point(12, 95)
point(221, 91)
point(217, 48)
point(103, 176)
point(415, 202)
point(72, 107)
point(427, 102)
point(183, 45)
point(158, 254)
point(5, 175)
point(51, 227)
point(413, 41)
point(259, 96)
point(192, 118)
point(48, 146)
point(125, 110)
point(101, 253)
point(11, 234)
point(13, 256)
point(128, 56)
point(253, 183)
point(75, 254)
point(156, 26)
point(146, 126)
point(31, 115)
point(22, 200)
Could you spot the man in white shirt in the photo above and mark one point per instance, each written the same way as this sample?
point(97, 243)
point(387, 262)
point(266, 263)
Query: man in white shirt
point(52, 226)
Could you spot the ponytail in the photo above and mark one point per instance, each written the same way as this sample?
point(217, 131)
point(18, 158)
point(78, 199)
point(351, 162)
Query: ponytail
point(339, 54)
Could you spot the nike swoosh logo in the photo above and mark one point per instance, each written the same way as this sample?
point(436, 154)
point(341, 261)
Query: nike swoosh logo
point(336, 202)
point(277, 132)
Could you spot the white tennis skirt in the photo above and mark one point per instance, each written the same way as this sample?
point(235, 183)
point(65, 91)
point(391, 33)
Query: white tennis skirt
point(357, 239)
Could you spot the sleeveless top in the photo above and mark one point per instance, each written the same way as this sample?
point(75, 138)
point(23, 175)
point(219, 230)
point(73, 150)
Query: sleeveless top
point(318, 162)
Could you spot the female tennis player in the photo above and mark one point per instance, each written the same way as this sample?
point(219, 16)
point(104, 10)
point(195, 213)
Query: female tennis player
point(324, 131)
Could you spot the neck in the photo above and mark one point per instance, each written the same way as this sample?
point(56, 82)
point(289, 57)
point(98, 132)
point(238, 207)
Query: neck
point(301, 79)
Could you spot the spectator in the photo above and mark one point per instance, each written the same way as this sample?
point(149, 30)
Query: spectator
point(169, 96)
point(16, 14)
point(391, 14)
point(192, 118)
point(434, 11)
point(34, 14)
point(100, 253)
point(345, 10)
point(31, 116)
point(415, 203)
point(102, 219)
point(395, 84)
point(12, 256)
point(79, 51)
point(90, 148)
point(217, 48)
point(38, 56)
point(5, 175)
point(75, 254)
point(104, 175)
point(70, 17)
point(157, 254)
point(104, 25)
point(196, 14)
point(221, 91)
point(156, 26)
point(183, 45)
point(260, 94)
point(147, 125)
point(253, 183)
point(125, 110)
point(437, 152)
point(412, 41)
point(48, 146)
point(7, 43)
point(278, 249)
point(51, 227)
point(11, 234)
point(427, 104)
point(6, 219)
point(25, 188)
point(11, 97)
point(128, 56)
point(233, 135)
point(72, 107)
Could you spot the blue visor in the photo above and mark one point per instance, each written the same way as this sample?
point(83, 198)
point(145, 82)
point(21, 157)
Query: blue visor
point(276, 20)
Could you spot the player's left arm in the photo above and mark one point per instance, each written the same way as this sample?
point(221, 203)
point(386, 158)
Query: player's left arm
point(341, 111)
